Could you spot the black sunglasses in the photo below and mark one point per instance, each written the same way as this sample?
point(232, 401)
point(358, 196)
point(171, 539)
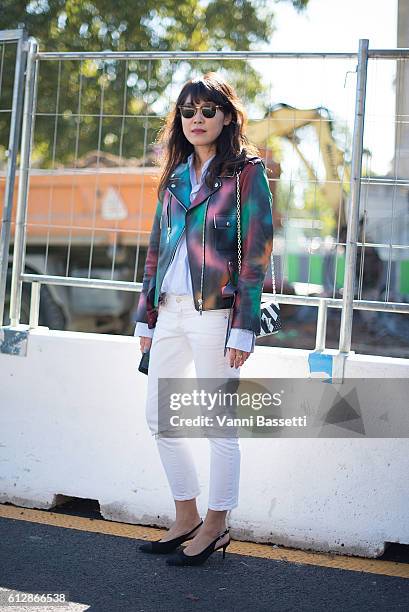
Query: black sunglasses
point(208, 111)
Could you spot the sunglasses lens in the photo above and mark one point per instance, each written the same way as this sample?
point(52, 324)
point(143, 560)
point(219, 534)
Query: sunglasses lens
point(208, 111)
point(187, 112)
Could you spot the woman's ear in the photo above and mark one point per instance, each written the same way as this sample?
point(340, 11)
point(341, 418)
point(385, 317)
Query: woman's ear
point(227, 119)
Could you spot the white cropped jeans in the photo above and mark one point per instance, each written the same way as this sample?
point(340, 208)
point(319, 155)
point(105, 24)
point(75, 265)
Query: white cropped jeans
point(181, 336)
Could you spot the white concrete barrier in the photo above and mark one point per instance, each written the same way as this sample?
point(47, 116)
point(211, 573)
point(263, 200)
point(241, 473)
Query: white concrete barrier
point(72, 423)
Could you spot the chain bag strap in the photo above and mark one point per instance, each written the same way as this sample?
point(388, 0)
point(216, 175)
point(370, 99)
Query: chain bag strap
point(270, 319)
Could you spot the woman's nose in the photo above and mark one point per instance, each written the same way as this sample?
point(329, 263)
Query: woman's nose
point(198, 118)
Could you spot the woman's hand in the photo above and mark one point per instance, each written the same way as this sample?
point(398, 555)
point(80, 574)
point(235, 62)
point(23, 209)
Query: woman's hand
point(237, 358)
point(145, 343)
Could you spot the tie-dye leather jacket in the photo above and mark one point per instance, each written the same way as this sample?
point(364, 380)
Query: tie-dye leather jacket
point(210, 223)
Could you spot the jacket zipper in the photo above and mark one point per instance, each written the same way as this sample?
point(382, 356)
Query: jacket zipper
point(169, 228)
point(173, 255)
point(174, 251)
point(169, 224)
point(200, 300)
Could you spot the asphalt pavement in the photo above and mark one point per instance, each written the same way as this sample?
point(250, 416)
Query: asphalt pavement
point(104, 572)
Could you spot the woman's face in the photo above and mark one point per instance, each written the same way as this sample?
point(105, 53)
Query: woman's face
point(202, 132)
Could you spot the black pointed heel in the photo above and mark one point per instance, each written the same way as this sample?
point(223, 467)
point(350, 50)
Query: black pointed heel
point(163, 548)
point(181, 559)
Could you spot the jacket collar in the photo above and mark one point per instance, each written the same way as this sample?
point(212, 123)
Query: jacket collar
point(180, 186)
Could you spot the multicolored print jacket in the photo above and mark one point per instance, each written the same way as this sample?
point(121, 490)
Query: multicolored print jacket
point(210, 223)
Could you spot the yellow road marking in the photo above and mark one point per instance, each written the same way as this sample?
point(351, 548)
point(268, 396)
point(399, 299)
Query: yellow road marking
point(248, 549)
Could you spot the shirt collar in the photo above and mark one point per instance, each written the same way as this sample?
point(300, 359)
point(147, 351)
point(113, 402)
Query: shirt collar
point(192, 170)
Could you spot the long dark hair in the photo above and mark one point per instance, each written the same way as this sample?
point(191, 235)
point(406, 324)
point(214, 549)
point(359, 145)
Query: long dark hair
point(232, 145)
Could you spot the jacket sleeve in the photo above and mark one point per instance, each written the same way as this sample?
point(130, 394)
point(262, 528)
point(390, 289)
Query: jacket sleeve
point(146, 312)
point(256, 246)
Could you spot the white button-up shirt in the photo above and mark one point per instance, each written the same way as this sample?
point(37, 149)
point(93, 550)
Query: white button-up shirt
point(178, 280)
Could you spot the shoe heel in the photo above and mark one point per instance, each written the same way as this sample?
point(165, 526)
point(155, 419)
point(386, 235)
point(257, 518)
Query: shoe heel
point(224, 549)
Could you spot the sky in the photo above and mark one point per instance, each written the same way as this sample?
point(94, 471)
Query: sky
point(335, 25)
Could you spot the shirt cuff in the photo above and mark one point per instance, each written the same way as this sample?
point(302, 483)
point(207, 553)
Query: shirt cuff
point(142, 329)
point(241, 339)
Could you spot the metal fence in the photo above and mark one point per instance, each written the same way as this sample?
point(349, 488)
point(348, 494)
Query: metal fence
point(10, 110)
point(359, 220)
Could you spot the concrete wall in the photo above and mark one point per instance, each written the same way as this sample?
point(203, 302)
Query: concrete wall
point(72, 423)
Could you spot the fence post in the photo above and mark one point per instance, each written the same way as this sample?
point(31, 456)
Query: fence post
point(353, 208)
point(321, 325)
point(34, 305)
point(21, 214)
point(14, 140)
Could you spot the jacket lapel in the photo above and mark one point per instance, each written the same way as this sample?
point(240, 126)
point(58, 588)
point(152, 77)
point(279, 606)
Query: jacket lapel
point(179, 185)
point(204, 192)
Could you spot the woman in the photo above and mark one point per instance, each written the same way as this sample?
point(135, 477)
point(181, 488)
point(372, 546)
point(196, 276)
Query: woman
point(184, 306)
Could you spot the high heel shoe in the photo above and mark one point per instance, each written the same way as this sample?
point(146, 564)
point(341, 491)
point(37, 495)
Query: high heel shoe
point(168, 546)
point(181, 559)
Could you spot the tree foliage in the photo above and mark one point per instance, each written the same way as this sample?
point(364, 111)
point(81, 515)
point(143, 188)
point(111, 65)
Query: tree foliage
point(117, 106)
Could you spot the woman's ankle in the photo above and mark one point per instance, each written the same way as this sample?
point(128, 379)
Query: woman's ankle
point(215, 522)
point(213, 529)
point(187, 521)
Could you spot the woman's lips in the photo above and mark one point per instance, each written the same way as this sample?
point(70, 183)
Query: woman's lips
point(198, 131)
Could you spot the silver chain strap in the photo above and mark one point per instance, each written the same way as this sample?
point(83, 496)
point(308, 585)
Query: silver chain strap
point(238, 222)
point(239, 234)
